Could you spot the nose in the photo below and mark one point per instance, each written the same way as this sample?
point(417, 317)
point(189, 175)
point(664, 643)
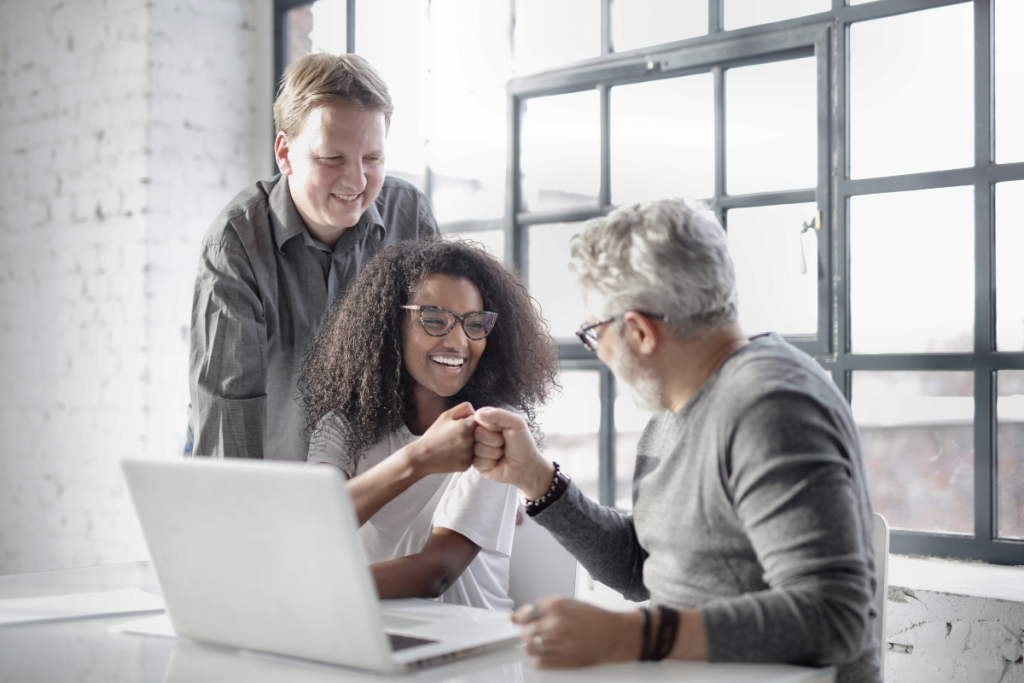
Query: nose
point(457, 339)
point(353, 176)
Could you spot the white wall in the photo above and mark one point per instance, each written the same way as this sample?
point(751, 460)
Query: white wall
point(125, 126)
point(947, 637)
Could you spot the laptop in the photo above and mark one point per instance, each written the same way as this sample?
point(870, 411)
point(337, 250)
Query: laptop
point(264, 555)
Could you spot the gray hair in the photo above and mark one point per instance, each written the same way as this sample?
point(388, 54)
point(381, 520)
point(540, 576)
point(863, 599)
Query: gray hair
point(662, 257)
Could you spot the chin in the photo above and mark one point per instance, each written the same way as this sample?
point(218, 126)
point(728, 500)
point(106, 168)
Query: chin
point(446, 392)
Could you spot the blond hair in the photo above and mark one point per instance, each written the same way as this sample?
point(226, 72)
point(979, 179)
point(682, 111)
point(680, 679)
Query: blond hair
point(313, 80)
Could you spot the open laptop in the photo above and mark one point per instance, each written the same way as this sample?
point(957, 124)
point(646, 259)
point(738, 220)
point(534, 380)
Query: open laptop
point(265, 556)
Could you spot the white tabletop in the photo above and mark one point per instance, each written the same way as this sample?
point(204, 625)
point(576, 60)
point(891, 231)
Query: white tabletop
point(85, 650)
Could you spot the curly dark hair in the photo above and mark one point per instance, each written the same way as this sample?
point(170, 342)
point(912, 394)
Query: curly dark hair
point(354, 366)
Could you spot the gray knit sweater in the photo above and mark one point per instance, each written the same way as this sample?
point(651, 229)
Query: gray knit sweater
point(751, 504)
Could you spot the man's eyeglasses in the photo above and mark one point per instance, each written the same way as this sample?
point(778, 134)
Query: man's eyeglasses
point(438, 321)
point(588, 332)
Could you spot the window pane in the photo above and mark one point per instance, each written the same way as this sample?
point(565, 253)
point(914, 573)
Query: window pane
point(917, 431)
point(394, 38)
point(550, 281)
point(663, 139)
point(491, 240)
point(771, 118)
point(298, 25)
point(776, 268)
point(329, 34)
point(570, 424)
point(466, 129)
point(741, 13)
point(561, 151)
point(912, 271)
point(912, 92)
point(1010, 445)
point(641, 23)
point(553, 32)
point(630, 422)
point(467, 156)
point(1009, 65)
point(1009, 274)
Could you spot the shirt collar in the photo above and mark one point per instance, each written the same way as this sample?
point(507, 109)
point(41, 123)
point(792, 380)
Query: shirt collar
point(287, 223)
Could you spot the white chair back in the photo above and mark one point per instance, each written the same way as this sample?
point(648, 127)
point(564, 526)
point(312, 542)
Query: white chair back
point(881, 544)
point(539, 566)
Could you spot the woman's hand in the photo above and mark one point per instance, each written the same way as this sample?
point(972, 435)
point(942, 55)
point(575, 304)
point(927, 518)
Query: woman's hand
point(447, 445)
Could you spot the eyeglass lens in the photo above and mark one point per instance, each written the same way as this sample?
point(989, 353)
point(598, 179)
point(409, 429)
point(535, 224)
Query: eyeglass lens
point(438, 322)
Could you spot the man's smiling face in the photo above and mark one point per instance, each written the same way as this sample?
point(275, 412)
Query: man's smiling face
point(335, 167)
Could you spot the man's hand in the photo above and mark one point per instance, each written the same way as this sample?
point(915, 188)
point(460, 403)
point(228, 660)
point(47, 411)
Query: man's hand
point(505, 452)
point(559, 632)
point(447, 446)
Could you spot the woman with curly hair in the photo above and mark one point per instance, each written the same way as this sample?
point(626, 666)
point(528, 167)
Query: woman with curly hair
point(427, 331)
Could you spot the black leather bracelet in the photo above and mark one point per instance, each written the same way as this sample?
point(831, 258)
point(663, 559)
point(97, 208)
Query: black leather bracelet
point(645, 637)
point(668, 627)
point(558, 486)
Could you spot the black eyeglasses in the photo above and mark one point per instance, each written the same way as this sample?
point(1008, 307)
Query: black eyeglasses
point(438, 321)
point(588, 332)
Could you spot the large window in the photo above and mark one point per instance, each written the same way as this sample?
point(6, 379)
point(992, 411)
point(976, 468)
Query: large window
point(864, 156)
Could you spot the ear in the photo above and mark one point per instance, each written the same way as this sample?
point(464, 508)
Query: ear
point(281, 151)
point(643, 334)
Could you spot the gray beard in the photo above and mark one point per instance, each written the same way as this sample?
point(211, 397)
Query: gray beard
point(643, 385)
point(645, 392)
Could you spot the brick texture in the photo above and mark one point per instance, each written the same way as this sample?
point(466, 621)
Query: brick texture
point(124, 127)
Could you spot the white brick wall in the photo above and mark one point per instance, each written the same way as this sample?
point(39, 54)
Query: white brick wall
point(211, 135)
point(125, 126)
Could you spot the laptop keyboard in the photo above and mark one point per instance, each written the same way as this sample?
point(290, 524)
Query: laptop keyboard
point(402, 642)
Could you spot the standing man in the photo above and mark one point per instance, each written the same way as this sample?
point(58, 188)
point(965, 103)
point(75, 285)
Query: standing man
point(751, 525)
point(280, 253)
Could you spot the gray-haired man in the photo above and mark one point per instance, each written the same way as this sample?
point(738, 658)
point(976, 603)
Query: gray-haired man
point(751, 523)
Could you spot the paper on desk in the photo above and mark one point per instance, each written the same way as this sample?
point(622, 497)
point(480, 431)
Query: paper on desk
point(159, 625)
point(122, 601)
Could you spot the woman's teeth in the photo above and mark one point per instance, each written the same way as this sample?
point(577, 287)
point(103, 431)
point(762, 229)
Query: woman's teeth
point(448, 362)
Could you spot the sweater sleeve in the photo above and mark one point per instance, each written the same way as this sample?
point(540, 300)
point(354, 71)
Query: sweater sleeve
point(789, 473)
point(603, 540)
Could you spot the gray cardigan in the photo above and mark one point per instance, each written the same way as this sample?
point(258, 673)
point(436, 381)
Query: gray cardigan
point(750, 504)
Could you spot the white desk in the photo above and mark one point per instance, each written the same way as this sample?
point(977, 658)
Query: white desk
point(84, 650)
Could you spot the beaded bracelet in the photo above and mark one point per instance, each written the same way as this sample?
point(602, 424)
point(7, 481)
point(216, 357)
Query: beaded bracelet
point(558, 486)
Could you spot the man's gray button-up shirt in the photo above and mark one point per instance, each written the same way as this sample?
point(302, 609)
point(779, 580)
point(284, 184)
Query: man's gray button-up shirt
point(263, 287)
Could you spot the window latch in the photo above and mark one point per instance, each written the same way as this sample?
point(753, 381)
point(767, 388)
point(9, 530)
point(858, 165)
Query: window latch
point(813, 224)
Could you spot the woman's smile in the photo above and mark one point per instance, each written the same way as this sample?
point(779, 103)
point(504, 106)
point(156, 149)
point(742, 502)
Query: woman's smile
point(449, 362)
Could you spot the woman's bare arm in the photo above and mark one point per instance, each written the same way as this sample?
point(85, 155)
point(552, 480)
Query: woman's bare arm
point(446, 447)
point(428, 573)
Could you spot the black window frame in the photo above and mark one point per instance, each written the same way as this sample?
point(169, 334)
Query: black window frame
point(826, 37)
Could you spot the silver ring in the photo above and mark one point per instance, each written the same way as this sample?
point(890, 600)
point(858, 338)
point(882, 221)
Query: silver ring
point(538, 642)
point(534, 614)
